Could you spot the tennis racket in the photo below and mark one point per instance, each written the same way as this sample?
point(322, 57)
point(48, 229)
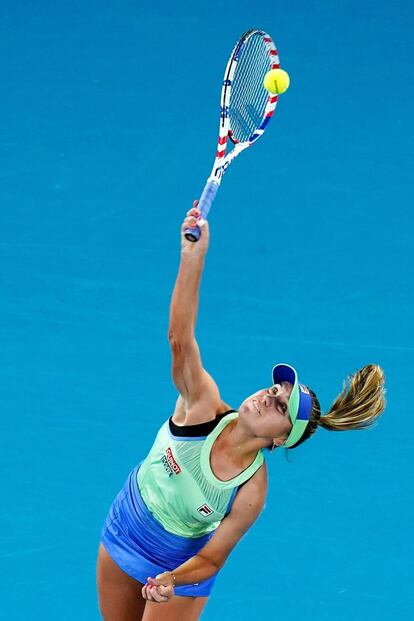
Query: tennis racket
point(246, 109)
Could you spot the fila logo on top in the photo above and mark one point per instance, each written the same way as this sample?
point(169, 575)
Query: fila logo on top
point(205, 510)
point(169, 463)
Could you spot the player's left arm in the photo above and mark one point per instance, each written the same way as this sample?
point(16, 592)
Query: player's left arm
point(246, 508)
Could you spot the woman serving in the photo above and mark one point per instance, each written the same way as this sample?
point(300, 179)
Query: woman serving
point(203, 484)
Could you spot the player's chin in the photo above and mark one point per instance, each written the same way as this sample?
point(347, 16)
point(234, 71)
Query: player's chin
point(246, 409)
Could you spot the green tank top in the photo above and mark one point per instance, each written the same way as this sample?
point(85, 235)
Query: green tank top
point(178, 486)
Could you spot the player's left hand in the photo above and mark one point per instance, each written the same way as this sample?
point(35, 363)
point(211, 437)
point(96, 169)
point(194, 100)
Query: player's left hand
point(159, 589)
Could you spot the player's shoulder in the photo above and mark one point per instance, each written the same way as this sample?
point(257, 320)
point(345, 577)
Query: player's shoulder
point(204, 411)
point(258, 481)
point(252, 495)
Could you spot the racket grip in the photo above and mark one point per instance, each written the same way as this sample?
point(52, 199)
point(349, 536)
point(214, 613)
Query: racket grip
point(204, 205)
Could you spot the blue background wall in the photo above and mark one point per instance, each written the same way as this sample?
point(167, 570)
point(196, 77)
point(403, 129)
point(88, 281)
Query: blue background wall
point(99, 148)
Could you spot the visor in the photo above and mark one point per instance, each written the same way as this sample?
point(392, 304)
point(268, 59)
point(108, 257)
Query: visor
point(299, 405)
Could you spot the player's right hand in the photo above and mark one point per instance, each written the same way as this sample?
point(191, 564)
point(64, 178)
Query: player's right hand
point(159, 589)
point(192, 219)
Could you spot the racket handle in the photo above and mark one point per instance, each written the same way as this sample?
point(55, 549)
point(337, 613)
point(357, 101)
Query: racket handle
point(204, 205)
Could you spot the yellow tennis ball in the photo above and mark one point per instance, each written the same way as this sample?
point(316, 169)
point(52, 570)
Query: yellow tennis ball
point(276, 81)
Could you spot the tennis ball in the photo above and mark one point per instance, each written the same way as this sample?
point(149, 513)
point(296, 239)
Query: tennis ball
point(276, 81)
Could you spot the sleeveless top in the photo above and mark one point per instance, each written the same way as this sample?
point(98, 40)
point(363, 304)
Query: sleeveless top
point(176, 481)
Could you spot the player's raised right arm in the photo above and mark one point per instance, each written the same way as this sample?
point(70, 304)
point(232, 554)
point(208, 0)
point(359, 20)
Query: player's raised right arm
point(184, 302)
point(192, 381)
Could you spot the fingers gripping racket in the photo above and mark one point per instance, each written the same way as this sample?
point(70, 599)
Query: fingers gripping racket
point(246, 109)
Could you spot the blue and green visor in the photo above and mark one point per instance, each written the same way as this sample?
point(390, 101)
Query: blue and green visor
point(299, 405)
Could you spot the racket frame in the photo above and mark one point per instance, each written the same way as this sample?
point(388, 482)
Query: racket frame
point(223, 161)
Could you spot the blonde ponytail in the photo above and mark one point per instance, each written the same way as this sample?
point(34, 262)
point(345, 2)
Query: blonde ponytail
point(360, 403)
point(358, 406)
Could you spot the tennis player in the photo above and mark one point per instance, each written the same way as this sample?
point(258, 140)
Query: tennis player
point(203, 483)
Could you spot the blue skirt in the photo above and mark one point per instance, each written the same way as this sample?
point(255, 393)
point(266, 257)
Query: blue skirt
point(142, 547)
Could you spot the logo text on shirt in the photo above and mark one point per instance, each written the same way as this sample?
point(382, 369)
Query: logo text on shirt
point(205, 510)
point(169, 463)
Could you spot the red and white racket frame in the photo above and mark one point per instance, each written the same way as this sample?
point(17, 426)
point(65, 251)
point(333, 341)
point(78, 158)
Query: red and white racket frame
point(222, 161)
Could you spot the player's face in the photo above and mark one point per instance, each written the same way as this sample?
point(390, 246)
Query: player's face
point(266, 412)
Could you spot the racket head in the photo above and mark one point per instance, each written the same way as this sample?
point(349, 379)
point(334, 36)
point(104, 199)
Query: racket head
point(246, 106)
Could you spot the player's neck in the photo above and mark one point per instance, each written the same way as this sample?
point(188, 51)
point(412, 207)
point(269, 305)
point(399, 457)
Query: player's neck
point(239, 444)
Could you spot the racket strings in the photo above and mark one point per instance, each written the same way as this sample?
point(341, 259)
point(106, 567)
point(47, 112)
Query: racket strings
point(248, 95)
